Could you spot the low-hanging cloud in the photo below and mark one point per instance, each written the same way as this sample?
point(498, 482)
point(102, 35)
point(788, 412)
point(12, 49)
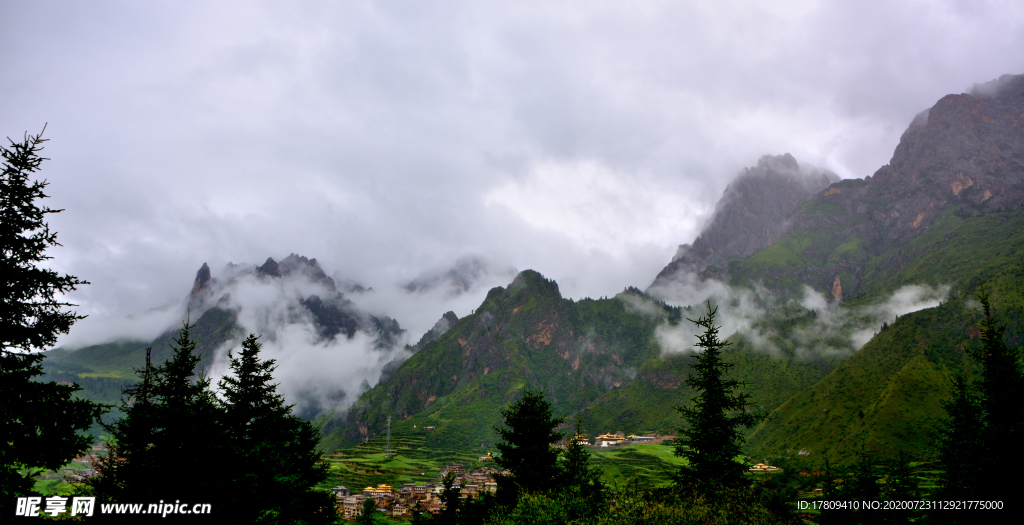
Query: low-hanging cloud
point(467, 274)
point(736, 309)
point(315, 371)
point(815, 324)
point(583, 139)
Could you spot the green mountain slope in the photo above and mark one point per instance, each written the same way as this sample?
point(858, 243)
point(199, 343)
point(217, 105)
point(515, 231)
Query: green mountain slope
point(887, 397)
point(946, 210)
point(647, 404)
point(523, 335)
point(598, 357)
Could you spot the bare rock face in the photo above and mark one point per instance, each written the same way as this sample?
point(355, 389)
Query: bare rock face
point(968, 149)
point(201, 285)
point(270, 268)
point(964, 155)
point(753, 213)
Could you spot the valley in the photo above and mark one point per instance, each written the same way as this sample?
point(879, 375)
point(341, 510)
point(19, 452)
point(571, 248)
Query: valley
point(849, 306)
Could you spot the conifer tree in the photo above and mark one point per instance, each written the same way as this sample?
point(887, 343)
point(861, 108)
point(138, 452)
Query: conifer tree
point(580, 478)
point(711, 439)
point(189, 425)
point(450, 499)
point(526, 447)
point(960, 443)
point(40, 422)
point(277, 464)
point(1001, 389)
point(130, 456)
point(985, 424)
point(366, 513)
point(170, 436)
point(900, 485)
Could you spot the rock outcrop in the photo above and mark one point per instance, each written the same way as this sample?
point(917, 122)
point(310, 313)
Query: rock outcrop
point(753, 213)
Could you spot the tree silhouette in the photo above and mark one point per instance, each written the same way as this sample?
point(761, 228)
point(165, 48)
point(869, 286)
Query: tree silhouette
point(276, 461)
point(40, 423)
point(711, 438)
point(960, 443)
point(580, 478)
point(172, 431)
point(526, 451)
point(1001, 389)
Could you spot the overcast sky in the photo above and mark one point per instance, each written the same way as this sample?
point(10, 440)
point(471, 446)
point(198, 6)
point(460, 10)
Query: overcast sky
point(581, 139)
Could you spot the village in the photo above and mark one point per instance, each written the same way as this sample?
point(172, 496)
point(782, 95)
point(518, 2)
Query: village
point(401, 501)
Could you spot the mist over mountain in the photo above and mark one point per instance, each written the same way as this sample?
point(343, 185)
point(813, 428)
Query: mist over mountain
point(813, 279)
point(328, 349)
point(466, 274)
point(753, 213)
point(843, 301)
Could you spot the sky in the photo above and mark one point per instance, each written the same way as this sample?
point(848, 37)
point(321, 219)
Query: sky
point(392, 140)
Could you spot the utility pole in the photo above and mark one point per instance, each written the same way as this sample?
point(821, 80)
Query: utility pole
point(387, 444)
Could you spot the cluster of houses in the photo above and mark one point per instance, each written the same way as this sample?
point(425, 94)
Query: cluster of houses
point(762, 468)
point(400, 501)
point(610, 440)
point(76, 475)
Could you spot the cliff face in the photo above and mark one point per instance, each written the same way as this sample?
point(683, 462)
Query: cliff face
point(753, 213)
point(964, 156)
point(967, 149)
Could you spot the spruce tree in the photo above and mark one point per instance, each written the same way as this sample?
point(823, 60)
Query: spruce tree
point(711, 439)
point(130, 456)
point(985, 425)
point(169, 440)
point(450, 499)
point(960, 444)
point(366, 514)
point(276, 464)
point(1001, 389)
point(580, 478)
point(526, 447)
point(40, 422)
point(900, 485)
point(190, 434)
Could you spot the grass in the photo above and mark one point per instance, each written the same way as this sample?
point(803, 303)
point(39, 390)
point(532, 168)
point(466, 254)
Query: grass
point(648, 463)
point(414, 461)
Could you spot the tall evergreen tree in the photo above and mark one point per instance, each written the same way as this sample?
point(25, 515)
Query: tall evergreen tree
point(170, 436)
point(277, 463)
point(580, 478)
point(1001, 388)
point(711, 439)
point(526, 447)
point(985, 425)
point(900, 485)
point(450, 499)
point(40, 422)
point(130, 456)
point(960, 444)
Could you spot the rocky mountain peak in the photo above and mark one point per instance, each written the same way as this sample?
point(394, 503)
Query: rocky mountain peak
point(753, 213)
point(270, 268)
point(966, 150)
point(202, 282)
point(532, 282)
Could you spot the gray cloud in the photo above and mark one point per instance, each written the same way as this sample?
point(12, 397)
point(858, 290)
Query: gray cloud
point(822, 325)
point(584, 140)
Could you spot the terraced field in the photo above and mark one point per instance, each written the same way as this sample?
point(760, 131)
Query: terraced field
point(647, 463)
point(413, 462)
